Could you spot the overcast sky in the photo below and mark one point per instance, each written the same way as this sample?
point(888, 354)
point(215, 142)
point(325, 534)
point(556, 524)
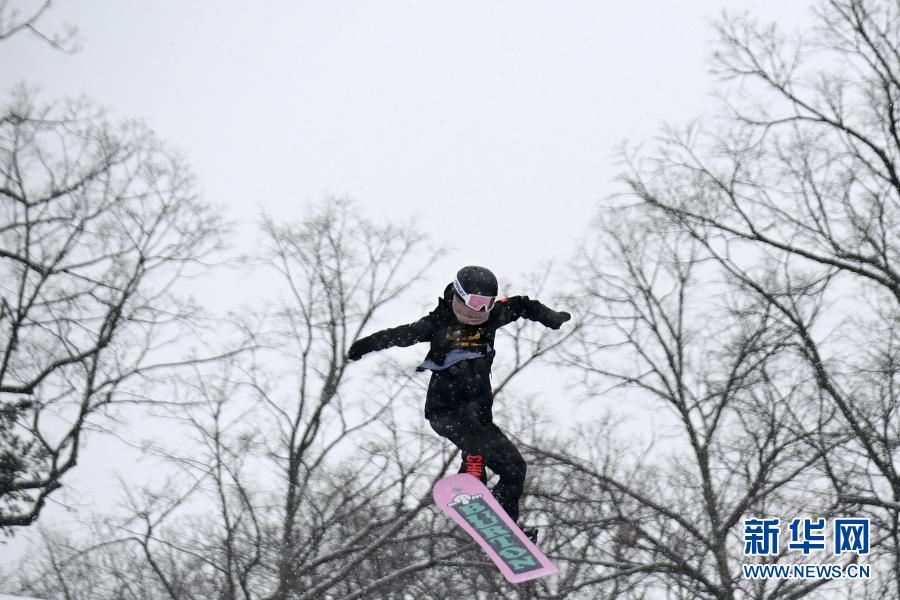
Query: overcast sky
point(495, 124)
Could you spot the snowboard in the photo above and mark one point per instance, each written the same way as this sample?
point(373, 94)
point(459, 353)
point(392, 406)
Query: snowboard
point(470, 503)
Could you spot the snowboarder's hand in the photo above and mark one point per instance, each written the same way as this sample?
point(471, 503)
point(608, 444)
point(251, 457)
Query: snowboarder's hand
point(356, 351)
point(561, 317)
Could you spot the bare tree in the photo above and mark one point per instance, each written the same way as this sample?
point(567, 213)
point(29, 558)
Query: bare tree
point(796, 196)
point(308, 488)
point(14, 22)
point(303, 483)
point(665, 515)
point(339, 270)
point(98, 223)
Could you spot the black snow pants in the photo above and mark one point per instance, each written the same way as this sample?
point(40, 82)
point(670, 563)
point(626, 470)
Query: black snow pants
point(458, 407)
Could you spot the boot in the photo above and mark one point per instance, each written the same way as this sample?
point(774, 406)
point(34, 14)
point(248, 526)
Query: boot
point(530, 532)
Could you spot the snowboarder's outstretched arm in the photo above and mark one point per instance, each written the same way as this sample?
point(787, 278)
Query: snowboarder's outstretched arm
point(404, 335)
point(516, 307)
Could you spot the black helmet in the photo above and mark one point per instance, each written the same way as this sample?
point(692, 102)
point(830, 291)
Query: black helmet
point(477, 280)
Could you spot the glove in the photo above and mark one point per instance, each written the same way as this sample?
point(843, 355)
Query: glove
point(561, 317)
point(356, 351)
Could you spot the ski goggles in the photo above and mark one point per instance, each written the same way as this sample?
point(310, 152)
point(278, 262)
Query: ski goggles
point(474, 301)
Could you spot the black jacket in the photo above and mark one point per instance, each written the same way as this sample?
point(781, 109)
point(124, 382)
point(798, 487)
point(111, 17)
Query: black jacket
point(443, 330)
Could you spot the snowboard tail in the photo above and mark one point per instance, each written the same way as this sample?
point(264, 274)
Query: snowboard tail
point(469, 502)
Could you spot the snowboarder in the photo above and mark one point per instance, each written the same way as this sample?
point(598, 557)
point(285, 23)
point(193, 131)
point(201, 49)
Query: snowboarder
point(461, 331)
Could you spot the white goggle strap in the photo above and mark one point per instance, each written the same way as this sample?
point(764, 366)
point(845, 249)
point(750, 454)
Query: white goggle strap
point(459, 289)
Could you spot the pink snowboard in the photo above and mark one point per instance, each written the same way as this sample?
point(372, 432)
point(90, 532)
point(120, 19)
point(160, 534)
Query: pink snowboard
point(470, 503)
